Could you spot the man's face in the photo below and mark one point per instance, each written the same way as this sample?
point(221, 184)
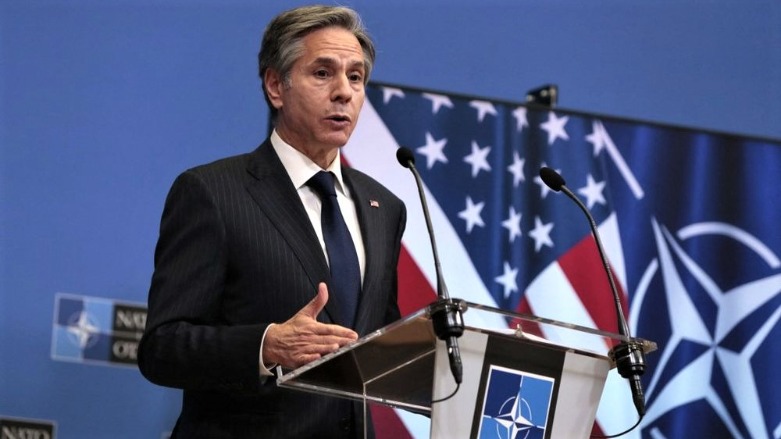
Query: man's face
point(319, 107)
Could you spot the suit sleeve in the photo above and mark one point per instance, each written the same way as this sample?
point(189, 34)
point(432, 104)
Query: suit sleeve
point(185, 345)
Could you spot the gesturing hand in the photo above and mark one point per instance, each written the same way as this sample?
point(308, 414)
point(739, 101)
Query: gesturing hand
point(302, 338)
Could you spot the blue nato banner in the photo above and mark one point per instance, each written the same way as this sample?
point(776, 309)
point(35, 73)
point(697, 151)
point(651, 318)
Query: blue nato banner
point(690, 222)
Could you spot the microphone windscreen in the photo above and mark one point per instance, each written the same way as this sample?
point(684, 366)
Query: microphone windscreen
point(405, 157)
point(552, 179)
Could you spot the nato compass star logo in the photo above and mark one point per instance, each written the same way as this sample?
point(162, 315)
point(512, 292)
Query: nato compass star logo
point(82, 329)
point(515, 405)
point(713, 359)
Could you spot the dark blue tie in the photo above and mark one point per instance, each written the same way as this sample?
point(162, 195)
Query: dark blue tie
point(342, 257)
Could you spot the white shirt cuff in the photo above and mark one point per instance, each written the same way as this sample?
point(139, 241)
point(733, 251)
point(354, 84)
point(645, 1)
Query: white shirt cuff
point(265, 370)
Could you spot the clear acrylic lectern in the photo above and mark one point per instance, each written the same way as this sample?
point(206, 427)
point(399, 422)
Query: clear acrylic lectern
point(521, 372)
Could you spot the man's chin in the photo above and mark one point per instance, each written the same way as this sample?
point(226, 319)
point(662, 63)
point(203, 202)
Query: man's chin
point(336, 140)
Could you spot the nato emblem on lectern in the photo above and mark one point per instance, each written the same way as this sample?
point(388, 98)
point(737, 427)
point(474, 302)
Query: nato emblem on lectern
point(515, 405)
point(96, 330)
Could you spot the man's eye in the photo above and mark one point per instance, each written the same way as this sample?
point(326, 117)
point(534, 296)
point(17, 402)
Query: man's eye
point(321, 73)
point(356, 77)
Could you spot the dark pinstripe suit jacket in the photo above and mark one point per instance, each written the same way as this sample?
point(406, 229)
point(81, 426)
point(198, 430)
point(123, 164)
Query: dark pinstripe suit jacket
point(237, 252)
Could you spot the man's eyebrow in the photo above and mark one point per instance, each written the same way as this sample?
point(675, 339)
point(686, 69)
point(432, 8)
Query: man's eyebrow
point(331, 61)
point(358, 64)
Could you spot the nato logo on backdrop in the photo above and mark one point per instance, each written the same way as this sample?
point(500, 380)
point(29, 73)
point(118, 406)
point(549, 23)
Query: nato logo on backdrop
point(96, 330)
point(515, 405)
point(12, 428)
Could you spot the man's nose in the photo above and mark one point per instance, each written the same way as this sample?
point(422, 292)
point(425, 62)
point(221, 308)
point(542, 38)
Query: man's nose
point(342, 89)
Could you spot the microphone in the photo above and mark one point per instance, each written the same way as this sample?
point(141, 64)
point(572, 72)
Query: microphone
point(629, 357)
point(445, 314)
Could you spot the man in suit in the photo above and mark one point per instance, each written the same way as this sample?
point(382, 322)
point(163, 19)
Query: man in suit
point(247, 273)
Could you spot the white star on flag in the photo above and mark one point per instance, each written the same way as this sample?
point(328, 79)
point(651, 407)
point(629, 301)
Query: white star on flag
point(516, 169)
point(598, 137)
point(513, 224)
point(390, 92)
point(520, 118)
point(541, 234)
point(507, 280)
point(593, 192)
point(478, 159)
point(438, 101)
point(483, 108)
point(472, 214)
point(555, 127)
point(433, 150)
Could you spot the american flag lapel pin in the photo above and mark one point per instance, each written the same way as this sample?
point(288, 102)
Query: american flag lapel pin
point(374, 203)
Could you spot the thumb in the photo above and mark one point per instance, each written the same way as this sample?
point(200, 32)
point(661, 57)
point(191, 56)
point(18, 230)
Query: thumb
point(313, 308)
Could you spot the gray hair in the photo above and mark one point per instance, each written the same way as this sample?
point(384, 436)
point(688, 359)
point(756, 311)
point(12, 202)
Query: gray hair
point(283, 45)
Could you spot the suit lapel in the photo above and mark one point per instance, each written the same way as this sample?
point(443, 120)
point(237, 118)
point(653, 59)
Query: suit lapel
point(275, 194)
point(370, 220)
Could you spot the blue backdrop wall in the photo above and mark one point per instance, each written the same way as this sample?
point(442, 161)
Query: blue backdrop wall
point(103, 102)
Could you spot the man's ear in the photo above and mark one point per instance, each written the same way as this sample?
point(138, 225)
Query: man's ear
point(274, 84)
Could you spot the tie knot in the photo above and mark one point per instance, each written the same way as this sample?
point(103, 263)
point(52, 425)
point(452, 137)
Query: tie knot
point(323, 184)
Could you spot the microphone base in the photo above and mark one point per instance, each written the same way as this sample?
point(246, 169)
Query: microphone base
point(629, 359)
point(446, 317)
point(630, 362)
point(448, 326)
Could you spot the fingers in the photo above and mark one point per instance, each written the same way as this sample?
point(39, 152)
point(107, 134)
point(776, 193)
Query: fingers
point(295, 342)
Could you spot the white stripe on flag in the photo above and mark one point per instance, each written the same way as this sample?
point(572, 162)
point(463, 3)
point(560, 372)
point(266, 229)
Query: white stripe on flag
point(550, 295)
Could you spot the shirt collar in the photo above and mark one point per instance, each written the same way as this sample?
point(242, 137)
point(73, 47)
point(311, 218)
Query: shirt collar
point(301, 168)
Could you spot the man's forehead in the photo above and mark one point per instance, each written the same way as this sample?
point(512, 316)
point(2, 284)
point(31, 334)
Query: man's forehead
point(332, 40)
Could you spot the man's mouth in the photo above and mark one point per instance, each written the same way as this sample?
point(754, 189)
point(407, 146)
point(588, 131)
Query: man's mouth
point(338, 118)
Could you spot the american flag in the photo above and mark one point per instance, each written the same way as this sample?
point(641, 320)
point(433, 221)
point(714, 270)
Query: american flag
point(689, 221)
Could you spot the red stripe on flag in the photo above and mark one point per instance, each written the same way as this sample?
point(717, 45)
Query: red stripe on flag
point(414, 290)
point(524, 307)
point(584, 270)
